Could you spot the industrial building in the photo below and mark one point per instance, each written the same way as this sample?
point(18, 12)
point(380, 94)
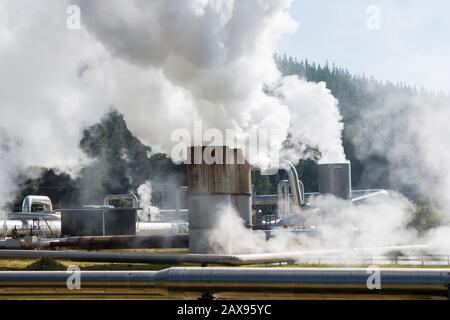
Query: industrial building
point(202, 269)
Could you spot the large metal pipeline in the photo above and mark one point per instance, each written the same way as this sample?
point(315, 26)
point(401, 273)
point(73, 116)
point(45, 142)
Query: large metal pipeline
point(283, 199)
point(163, 258)
point(378, 195)
point(217, 280)
point(296, 187)
point(283, 196)
point(122, 242)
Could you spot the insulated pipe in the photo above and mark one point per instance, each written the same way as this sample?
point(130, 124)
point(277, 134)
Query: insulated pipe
point(123, 242)
point(296, 189)
point(244, 259)
point(28, 202)
point(376, 194)
point(283, 199)
point(156, 258)
point(216, 280)
point(290, 279)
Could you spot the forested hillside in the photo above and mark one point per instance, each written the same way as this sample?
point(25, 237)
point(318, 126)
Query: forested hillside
point(361, 98)
point(120, 164)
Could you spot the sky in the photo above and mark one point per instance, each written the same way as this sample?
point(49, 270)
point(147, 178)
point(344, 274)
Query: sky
point(409, 42)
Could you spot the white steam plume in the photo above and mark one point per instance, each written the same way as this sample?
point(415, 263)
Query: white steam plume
point(339, 225)
point(162, 63)
point(145, 201)
point(216, 60)
point(145, 194)
point(166, 63)
point(44, 101)
point(415, 141)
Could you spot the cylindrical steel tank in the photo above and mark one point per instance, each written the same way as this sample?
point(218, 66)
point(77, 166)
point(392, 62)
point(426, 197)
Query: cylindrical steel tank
point(335, 179)
point(218, 178)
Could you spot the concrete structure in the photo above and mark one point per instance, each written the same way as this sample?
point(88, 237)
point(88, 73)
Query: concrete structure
point(218, 178)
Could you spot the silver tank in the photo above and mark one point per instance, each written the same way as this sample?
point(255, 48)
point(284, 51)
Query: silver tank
point(335, 179)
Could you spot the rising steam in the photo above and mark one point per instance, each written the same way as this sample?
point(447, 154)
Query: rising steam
point(215, 61)
point(167, 63)
point(163, 64)
point(145, 201)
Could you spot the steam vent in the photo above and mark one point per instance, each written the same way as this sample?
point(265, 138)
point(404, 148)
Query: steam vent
point(213, 186)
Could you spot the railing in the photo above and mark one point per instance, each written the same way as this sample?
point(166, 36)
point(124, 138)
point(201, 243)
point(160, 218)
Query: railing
point(169, 215)
point(397, 260)
point(37, 227)
point(268, 220)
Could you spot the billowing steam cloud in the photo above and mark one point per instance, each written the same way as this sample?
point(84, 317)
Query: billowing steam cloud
point(44, 101)
point(145, 201)
point(337, 225)
point(215, 59)
point(163, 64)
point(414, 140)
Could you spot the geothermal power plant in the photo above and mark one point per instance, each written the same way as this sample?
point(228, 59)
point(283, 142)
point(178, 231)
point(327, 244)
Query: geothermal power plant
point(201, 266)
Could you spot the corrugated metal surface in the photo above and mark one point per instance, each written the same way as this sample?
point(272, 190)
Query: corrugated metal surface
point(98, 222)
point(335, 179)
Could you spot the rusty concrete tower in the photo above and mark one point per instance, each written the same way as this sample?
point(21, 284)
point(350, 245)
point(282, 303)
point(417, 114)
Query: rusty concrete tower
point(217, 177)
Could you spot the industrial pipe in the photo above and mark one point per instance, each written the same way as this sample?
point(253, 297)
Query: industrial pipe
point(243, 259)
point(217, 280)
point(120, 257)
point(44, 201)
point(283, 199)
point(283, 196)
point(371, 195)
point(296, 189)
point(123, 242)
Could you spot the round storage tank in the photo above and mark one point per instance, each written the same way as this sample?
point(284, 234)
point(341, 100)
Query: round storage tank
point(335, 179)
point(213, 187)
